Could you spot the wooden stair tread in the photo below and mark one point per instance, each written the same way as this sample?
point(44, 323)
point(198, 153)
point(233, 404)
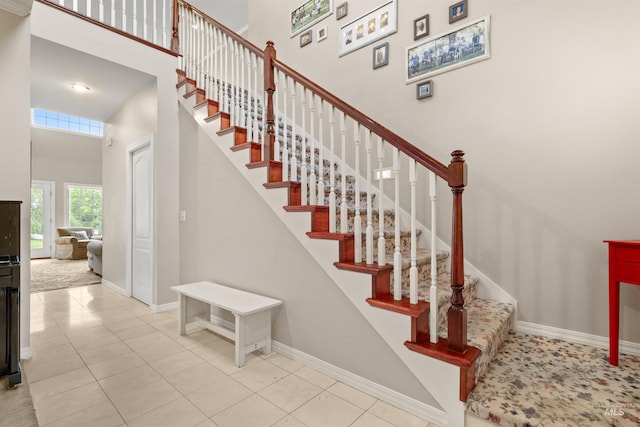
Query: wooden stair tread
point(306, 208)
point(403, 306)
point(440, 351)
point(362, 267)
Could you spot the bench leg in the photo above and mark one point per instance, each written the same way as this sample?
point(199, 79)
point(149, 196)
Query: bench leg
point(182, 315)
point(240, 340)
point(267, 345)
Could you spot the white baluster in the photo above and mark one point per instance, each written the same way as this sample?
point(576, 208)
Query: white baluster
point(433, 290)
point(249, 124)
point(381, 242)
point(285, 131)
point(357, 221)
point(113, 13)
point(145, 32)
point(135, 18)
point(276, 124)
point(225, 81)
point(320, 199)
point(236, 85)
point(397, 256)
point(369, 229)
point(294, 148)
point(312, 156)
point(165, 38)
point(264, 110)
point(256, 123)
point(124, 16)
point(154, 23)
point(61, 2)
point(332, 174)
point(101, 11)
point(344, 217)
point(413, 271)
point(303, 148)
point(75, 5)
point(88, 8)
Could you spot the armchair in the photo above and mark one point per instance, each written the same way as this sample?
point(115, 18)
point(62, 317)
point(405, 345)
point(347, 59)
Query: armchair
point(71, 242)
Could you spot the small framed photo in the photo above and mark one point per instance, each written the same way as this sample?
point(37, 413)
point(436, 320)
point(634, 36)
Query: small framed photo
point(322, 33)
point(424, 89)
point(421, 27)
point(305, 38)
point(341, 11)
point(458, 11)
point(381, 55)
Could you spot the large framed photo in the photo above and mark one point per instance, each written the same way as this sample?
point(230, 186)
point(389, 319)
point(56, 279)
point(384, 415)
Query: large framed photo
point(456, 48)
point(370, 27)
point(309, 13)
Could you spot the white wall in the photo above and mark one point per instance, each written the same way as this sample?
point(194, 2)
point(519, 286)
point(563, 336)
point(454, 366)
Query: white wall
point(63, 29)
point(65, 158)
point(232, 14)
point(15, 150)
point(550, 125)
point(231, 236)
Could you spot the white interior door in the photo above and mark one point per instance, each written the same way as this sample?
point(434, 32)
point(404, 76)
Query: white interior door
point(142, 224)
point(42, 218)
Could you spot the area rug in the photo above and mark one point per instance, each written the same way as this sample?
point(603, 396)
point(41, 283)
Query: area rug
point(51, 274)
point(538, 381)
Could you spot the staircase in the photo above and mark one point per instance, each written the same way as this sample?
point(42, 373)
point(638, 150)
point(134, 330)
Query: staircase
point(488, 321)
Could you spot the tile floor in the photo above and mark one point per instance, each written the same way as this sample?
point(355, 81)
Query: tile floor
point(101, 359)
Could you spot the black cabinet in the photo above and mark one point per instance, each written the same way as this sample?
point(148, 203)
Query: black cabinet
point(10, 292)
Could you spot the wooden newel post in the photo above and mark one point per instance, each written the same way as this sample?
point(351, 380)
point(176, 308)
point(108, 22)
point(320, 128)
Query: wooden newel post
point(175, 41)
point(269, 87)
point(457, 315)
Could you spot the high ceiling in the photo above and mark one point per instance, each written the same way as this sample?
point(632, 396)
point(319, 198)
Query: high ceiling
point(55, 67)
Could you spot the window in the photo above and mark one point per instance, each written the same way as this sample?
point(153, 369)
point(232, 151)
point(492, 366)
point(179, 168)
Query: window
point(84, 206)
point(66, 122)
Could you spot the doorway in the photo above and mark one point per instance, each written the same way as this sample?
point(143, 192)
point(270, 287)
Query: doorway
point(42, 218)
point(140, 220)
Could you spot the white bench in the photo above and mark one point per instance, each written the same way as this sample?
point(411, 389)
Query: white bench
point(252, 314)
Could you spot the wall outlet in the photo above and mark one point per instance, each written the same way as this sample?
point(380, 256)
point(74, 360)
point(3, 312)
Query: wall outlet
point(183, 216)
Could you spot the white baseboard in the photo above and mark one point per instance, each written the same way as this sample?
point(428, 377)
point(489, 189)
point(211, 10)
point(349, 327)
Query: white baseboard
point(406, 403)
point(116, 288)
point(163, 307)
point(25, 353)
point(626, 347)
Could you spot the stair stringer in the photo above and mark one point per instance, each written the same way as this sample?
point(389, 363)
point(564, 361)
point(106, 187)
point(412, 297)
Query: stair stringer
point(440, 379)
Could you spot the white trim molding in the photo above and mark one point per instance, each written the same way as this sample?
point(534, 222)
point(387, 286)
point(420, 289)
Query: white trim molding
point(25, 353)
point(118, 289)
point(626, 347)
point(380, 392)
point(163, 307)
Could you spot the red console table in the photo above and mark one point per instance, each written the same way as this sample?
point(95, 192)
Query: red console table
point(624, 266)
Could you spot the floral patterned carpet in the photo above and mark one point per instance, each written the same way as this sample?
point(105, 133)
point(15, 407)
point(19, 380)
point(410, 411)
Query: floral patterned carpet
point(538, 381)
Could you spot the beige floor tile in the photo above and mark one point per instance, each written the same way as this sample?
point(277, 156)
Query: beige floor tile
point(283, 362)
point(207, 423)
point(48, 342)
point(113, 315)
point(350, 394)
point(60, 383)
point(104, 414)
point(39, 370)
point(179, 412)
point(97, 354)
point(315, 377)
point(136, 331)
point(289, 421)
point(215, 398)
point(175, 363)
point(140, 400)
point(127, 381)
point(260, 375)
point(327, 409)
point(63, 404)
point(198, 376)
point(147, 340)
point(369, 420)
point(251, 412)
point(115, 365)
point(199, 337)
point(49, 354)
point(43, 330)
point(160, 350)
point(98, 336)
point(125, 324)
point(290, 393)
point(396, 416)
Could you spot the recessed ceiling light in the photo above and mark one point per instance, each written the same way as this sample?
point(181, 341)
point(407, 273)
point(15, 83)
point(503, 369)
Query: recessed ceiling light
point(79, 87)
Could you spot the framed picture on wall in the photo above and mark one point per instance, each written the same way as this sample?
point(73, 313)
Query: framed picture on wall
point(342, 10)
point(309, 13)
point(305, 38)
point(370, 27)
point(381, 55)
point(458, 11)
point(444, 52)
point(423, 89)
point(421, 27)
point(322, 33)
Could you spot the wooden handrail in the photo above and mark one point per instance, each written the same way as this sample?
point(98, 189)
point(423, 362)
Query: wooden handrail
point(108, 27)
point(400, 143)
